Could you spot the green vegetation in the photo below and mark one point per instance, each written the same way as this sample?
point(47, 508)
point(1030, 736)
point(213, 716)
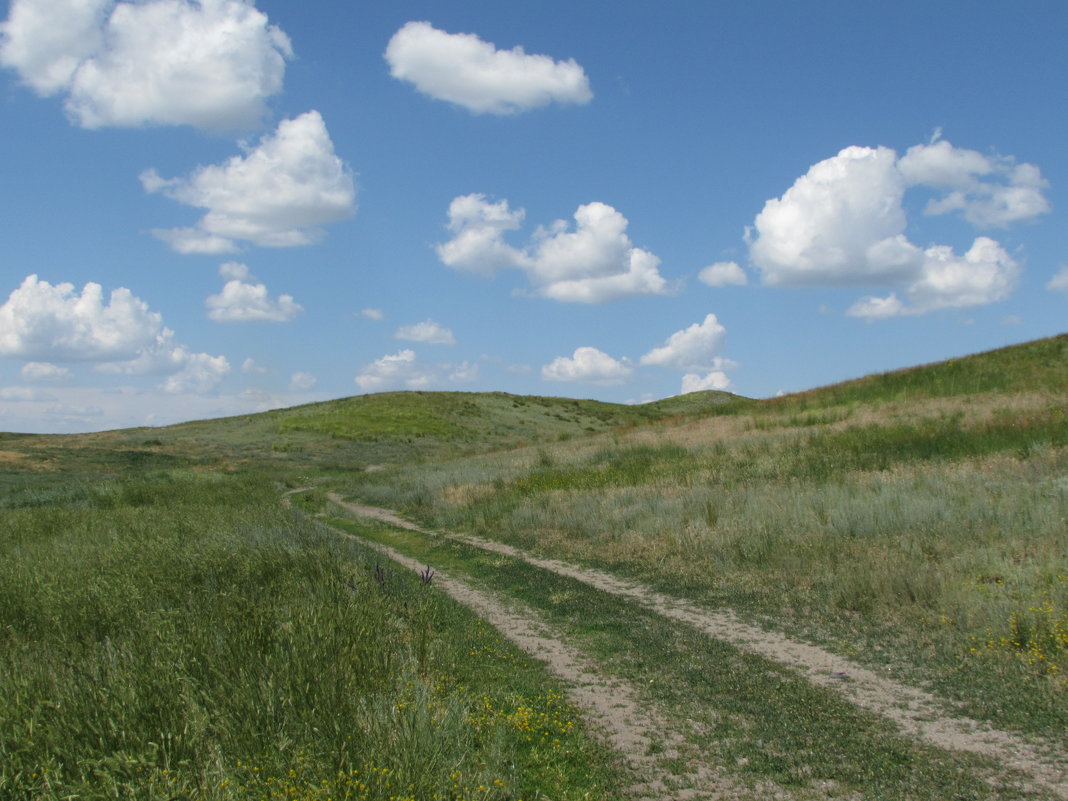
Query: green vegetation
point(175, 635)
point(170, 629)
point(1034, 367)
point(756, 720)
point(927, 536)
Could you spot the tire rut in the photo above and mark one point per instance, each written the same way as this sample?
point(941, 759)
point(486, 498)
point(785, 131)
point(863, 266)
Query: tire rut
point(916, 713)
point(610, 704)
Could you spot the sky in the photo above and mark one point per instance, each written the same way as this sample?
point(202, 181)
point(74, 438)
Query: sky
point(217, 207)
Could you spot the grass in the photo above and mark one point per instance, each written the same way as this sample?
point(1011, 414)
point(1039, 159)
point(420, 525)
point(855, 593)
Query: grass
point(755, 720)
point(168, 629)
point(173, 636)
point(928, 536)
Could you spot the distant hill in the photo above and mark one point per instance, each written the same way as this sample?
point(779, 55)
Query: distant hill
point(385, 428)
point(404, 427)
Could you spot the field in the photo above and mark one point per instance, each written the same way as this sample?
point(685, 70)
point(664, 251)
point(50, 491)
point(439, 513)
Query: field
point(859, 591)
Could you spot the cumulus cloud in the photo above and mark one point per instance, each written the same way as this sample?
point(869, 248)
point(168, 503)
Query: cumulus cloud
point(990, 191)
point(588, 366)
point(278, 194)
point(985, 274)
point(41, 322)
point(211, 63)
point(462, 69)
point(46, 323)
point(403, 370)
point(250, 367)
point(45, 53)
point(241, 301)
point(843, 224)
point(695, 348)
point(373, 314)
point(44, 372)
point(593, 263)
point(693, 382)
point(1059, 282)
point(427, 332)
point(723, 273)
point(478, 245)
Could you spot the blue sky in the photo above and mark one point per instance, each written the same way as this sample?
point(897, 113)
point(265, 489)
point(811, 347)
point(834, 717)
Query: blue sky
point(216, 207)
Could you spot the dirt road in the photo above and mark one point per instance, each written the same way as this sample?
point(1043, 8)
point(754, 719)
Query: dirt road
point(915, 712)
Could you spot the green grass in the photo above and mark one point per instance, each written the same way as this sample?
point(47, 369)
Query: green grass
point(755, 720)
point(928, 536)
point(185, 636)
point(1040, 366)
point(167, 629)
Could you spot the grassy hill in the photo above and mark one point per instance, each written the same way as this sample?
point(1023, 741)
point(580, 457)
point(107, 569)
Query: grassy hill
point(916, 518)
point(170, 629)
point(349, 433)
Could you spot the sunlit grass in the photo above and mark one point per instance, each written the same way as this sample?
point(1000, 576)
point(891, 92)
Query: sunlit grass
point(186, 636)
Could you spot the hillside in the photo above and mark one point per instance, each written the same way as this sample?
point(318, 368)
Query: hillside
point(860, 591)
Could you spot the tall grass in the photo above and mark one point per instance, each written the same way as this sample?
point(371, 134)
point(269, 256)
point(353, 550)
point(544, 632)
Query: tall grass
point(930, 539)
point(165, 637)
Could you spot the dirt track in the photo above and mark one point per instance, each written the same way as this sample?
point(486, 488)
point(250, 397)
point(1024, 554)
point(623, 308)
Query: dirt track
point(915, 712)
point(613, 706)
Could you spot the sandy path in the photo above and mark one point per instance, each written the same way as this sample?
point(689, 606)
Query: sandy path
point(611, 705)
point(915, 712)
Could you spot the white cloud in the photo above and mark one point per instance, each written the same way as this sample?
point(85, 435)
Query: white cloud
point(193, 241)
point(695, 348)
point(839, 224)
point(302, 382)
point(44, 372)
point(211, 64)
point(403, 370)
point(234, 271)
point(45, 52)
point(373, 314)
point(723, 273)
point(693, 382)
point(1059, 282)
point(843, 224)
point(278, 194)
point(428, 332)
point(240, 302)
point(985, 274)
point(873, 308)
point(462, 69)
point(42, 322)
point(588, 366)
point(990, 191)
point(249, 366)
point(199, 373)
point(593, 263)
point(479, 246)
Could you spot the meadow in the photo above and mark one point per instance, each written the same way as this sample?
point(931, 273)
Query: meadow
point(917, 521)
point(170, 628)
point(182, 634)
